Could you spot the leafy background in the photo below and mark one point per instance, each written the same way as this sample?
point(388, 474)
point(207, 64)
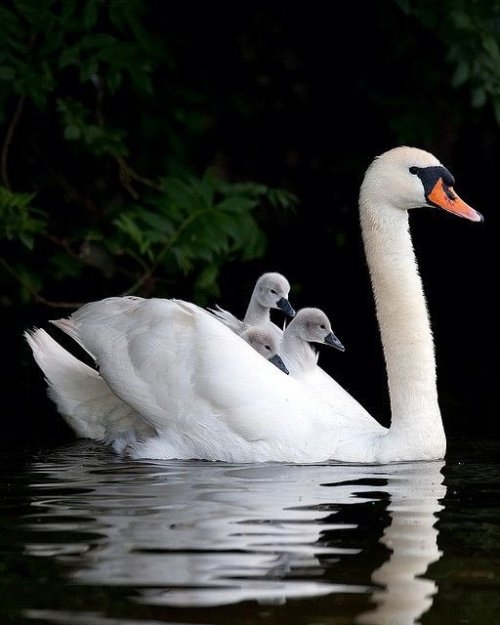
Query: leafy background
point(179, 150)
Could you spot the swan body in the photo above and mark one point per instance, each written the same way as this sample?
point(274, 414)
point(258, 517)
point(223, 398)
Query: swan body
point(206, 394)
point(270, 292)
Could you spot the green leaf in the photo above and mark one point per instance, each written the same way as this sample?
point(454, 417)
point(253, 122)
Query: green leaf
point(478, 98)
point(88, 68)
point(69, 56)
point(71, 133)
point(64, 266)
point(252, 189)
point(159, 222)
point(7, 73)
point(90, 14)
point(140, 79)
point(114, 79)
point(52, 40)
point(237, 204)
point(97, 40)
point(281, 198)
point(17, 44)
point(490, 44)
point(207, 278)
point(67, 10)
point(9, 21)
point(27, 239)
point(116, 15)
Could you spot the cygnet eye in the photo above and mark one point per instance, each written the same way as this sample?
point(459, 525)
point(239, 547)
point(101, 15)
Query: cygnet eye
point(267, 347)
point(274, 292)
point(322, 326)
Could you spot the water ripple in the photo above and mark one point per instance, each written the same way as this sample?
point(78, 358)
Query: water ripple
point(189, 534)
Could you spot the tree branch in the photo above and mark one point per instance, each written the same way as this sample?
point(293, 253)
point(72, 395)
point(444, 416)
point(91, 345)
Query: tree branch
point(127, 174)
point(8, 140)
point(161, 255)
point(38, 298)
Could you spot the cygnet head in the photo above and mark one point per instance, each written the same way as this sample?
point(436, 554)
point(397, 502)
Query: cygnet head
point(266, 343)
point(271, 291)
point(313, 326)
point(407, 177)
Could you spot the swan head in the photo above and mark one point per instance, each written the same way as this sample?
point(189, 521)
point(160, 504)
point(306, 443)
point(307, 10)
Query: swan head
point(271, 291)
point(266, 343)
point(407, 177)
point(313, 326)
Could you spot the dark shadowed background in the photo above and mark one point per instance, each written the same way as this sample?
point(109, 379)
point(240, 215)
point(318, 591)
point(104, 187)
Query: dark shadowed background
point(108, 109)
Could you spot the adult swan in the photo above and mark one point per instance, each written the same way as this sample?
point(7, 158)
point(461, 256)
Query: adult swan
point(174, 382)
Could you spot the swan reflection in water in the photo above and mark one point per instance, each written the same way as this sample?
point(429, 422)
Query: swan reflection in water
point(207, 534)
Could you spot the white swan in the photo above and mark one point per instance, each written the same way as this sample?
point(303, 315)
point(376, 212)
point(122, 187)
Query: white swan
point(209, 395)
point(270, 291)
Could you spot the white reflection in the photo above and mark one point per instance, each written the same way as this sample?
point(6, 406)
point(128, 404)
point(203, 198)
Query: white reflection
point(412, 538)
point(207, 534)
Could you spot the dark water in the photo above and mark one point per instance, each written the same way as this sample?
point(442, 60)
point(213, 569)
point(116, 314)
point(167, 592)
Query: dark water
point(89, 539)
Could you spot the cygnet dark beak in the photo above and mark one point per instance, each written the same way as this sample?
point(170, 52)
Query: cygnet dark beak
point(284, 305)
point(277, 360)
point(331, 339)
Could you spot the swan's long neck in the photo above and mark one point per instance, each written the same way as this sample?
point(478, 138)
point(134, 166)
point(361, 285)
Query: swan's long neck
point(298, 355)
point(256, 314)
point(404, 327)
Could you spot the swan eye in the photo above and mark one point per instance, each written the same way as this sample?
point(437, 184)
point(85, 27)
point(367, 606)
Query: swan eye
point(413, 170)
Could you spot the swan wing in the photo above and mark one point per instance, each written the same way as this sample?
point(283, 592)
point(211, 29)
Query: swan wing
point(173, 361)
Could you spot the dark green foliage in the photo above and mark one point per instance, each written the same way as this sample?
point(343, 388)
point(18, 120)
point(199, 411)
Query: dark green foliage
point(19, 220)
point(125, 139)
point(471, 33)
point(71, 192)
point(195, 225)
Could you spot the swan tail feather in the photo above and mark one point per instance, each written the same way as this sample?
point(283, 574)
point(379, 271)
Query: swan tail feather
point(68, 327)
point(82, 397)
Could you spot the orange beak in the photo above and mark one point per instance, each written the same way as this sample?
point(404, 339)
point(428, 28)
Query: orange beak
point(445, 197)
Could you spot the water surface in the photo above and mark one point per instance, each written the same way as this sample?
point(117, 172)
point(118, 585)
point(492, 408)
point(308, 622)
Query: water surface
point(90, 539)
